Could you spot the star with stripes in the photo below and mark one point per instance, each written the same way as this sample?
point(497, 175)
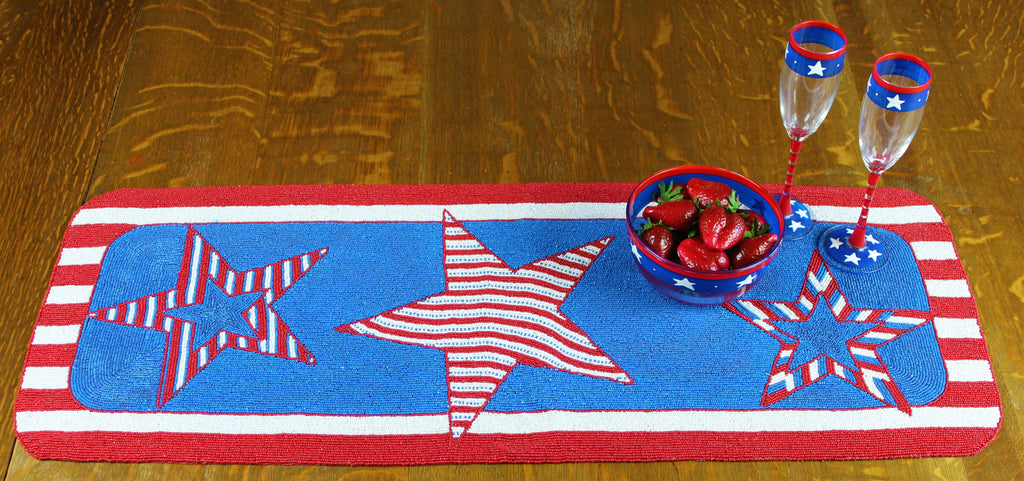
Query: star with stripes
point(491, 318)
point(214, 307)
point(821, 334)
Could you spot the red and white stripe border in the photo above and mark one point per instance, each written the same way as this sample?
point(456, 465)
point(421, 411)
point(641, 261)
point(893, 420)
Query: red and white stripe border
point(970, 403)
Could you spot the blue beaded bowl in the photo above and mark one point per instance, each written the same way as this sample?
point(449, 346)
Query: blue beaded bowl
point(688, 285)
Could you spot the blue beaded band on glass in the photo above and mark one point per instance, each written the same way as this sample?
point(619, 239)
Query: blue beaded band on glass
point(816, 64)
point(894, 97)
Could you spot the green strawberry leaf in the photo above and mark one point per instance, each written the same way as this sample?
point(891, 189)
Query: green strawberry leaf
point(670, 193)
point(649, 225)
point(755, 229)
point(734, 203)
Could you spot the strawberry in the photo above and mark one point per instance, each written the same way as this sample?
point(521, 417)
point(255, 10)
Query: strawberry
point(675, 214)
point(674, 209)
point(756, 225)
point(708, 192)
point(695, 255)
point(659, 239)
point(751, 250)
point(718, 231)
point(720, 228)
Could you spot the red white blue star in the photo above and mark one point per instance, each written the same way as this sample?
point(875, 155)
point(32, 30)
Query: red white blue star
point(821, 334)
point(213, 307)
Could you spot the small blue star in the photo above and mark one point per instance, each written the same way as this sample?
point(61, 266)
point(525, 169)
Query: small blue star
point(822, 334)
point(217, 312)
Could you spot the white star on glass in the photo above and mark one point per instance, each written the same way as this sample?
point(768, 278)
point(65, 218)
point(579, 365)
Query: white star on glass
point(816, 69)
point(870, 238)
point(836, 242)
point(895, 102)
point(684, 282)
point(873, 254)
point(852, 259)
point(803, 214)
point(796, 225)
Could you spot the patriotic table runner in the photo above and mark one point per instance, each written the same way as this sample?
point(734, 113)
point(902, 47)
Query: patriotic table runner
point(486, 323)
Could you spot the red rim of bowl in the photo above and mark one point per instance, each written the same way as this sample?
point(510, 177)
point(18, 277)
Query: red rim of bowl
point(704, 170)
point(817, 55)
point(900, 89)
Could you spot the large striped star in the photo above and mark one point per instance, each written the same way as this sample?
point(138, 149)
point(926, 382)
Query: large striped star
point(491, 317)
point(821, 334)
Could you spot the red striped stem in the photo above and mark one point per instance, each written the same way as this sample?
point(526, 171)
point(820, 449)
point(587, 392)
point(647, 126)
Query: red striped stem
point(794, 153)
point(857, 239)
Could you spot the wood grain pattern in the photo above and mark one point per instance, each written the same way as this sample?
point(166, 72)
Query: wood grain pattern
point(345, 100)
point(281, 92)
point(59, 67)
point(224, 92)
point(193, 98)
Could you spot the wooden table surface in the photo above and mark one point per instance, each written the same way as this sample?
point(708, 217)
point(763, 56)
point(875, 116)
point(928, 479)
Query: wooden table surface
point(103, 94)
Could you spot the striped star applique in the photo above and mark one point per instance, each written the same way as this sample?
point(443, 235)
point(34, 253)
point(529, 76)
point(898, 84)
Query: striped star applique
point(492, 317)
point(821, 334)
point(213, 307)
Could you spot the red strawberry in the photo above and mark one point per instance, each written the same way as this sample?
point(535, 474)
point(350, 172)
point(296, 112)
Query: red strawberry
point(751, 250)
point(752, 218)
point(721, 229)
point(695, 255)
point(659, 239)
point(708, 192)
point(676, 214)
point(756, 225)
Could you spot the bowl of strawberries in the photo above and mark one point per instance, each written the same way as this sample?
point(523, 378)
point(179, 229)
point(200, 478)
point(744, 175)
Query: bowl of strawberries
point(702, 234)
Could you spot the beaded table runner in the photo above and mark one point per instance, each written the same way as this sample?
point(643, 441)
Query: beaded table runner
point(487, 323)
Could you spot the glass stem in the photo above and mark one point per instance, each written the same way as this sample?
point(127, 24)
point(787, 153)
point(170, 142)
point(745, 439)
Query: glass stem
point(857, 239)
point(794, 153)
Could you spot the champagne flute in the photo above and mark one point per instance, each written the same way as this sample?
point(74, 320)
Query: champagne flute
point(807, 87)
point(890, 114)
